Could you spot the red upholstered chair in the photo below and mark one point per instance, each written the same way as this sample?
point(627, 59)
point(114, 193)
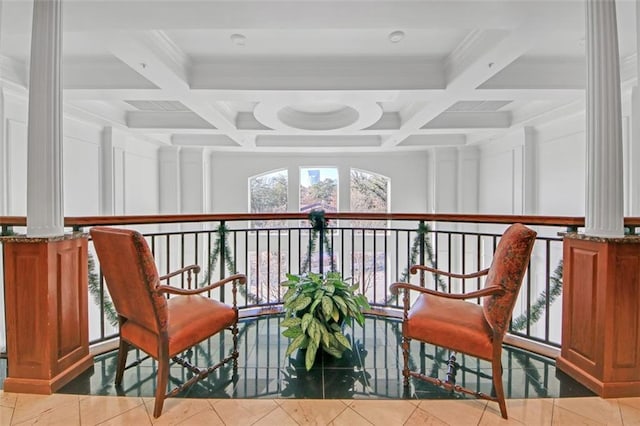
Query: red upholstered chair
point(448, 321)
point(160, 326)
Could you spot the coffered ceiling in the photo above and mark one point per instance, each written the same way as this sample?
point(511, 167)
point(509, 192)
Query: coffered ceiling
point(316, 75)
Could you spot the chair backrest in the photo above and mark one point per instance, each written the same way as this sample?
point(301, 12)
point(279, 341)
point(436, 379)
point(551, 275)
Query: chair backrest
point(509, 264)
point(130, 272)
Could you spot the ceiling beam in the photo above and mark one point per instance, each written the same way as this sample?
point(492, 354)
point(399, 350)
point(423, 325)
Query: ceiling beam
point(302, 74)
point(154, 56)
point(481, 55)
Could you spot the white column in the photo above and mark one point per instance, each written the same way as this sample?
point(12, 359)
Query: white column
point(524, 163)
point(634, 155)
point(4, 166)
point(530, 182)
point(44, 148)
point(468, 179)
point(169, 180)
point(633, 143)
point(112, 171)
point(445, 180)
point(192, 173)
point(604, 195)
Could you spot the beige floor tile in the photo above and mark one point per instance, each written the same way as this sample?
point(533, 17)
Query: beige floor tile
point(383, 412)
point(631, 402)
point(98, 409)
point(6, 413)
point(605, 411)
point(63, 416)
point(243, 411)
point(49, 409)
point(136, 416)
point(455, 412)
point(176, 410)
point(8, 399)
point(630, 411)
point(421, 417)
point(350, 418)
point(491, 419)
point(533, 412)
point(564, 417)
point(312, 412)
point(276, 417)
point(207, 417)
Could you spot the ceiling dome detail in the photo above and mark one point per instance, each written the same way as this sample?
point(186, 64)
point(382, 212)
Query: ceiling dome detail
point(318, 116)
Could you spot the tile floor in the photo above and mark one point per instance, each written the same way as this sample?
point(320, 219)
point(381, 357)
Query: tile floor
point(67, 409)
point(363, 388)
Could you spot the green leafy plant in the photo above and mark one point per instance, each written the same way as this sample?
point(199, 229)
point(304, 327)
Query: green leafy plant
point(317, 307)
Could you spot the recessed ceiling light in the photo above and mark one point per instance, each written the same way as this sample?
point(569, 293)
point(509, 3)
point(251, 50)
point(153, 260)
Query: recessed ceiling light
point(396, 36)
point(238, 39)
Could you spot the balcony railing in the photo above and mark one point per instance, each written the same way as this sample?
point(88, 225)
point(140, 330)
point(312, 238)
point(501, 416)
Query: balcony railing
point(374, 249)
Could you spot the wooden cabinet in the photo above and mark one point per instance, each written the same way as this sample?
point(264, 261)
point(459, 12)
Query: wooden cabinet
point(46, 312)
point(601, 314)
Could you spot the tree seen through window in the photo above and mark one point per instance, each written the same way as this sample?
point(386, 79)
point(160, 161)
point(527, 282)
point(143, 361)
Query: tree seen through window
point(369, 193)
point(268, 194)
point(318, 189)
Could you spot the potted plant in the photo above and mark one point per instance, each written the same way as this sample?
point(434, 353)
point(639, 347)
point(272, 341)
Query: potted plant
point(316, 308)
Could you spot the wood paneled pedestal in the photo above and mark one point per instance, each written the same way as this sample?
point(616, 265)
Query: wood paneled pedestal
point(601, 314)
point(46, 311)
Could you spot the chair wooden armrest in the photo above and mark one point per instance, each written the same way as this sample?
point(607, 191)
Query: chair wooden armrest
point(237, 278)
point(487, 291)
point(416, 268)
point(188, 269)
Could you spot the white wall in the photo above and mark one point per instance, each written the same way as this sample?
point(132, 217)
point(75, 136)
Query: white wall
point(133, 168)
point(558, 171)
point(13, 173)
point(561, 150)
point(81, 176)
point(141, 172)
point(230, 173)
point(496, 178)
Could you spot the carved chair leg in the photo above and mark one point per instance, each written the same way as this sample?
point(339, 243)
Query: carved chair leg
point(162, 379)
point(123, 350)
point(405, 360)
point(452, 369)
point(234, 332)
point(497, 385)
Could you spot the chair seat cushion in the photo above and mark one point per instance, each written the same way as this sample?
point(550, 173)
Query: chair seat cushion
point(454, 324)
point(194, 318)
point(191, 319)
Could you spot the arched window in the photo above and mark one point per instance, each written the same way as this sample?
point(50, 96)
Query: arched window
point(268, 194)
point(318, 189)
point(369, 193)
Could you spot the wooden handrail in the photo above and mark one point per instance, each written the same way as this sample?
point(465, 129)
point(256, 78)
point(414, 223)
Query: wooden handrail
point(84, 221)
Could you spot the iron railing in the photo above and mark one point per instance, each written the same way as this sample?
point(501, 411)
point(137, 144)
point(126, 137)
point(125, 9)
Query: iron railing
point(374, 256)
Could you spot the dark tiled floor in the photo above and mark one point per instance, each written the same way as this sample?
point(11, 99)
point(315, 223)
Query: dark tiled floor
point(372, 370)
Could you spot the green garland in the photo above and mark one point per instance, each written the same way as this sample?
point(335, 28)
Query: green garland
point(532, 315)
point(229, 262)
point(100, 297)
point(98, 294)
point(423, 235)
point(220, 243)
point(319, 224)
